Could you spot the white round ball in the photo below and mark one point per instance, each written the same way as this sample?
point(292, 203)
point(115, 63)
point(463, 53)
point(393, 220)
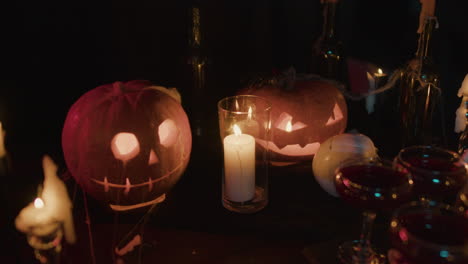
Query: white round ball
point(334, 151)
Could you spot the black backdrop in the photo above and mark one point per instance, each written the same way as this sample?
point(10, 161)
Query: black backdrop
point(54, 52)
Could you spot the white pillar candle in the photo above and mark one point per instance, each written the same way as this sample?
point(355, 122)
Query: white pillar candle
point(239, 166)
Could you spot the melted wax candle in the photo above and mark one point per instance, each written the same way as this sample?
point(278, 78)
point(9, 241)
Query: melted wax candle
point(51, 212)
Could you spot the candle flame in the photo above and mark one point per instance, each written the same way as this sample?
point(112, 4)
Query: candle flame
point(288, 126)
point(379, 71)
point(249, 114)
point(237, 130)
point(38, 203)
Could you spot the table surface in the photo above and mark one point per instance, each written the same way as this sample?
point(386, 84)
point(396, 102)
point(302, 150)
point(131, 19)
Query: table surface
point(301, 224)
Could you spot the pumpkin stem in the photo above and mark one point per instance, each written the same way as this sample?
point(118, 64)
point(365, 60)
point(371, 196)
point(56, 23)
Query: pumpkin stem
point(172, 92)
point(119, 86)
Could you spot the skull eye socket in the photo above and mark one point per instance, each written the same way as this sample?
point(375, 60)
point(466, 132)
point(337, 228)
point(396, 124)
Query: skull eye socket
point(125, 146)
point(168, 133)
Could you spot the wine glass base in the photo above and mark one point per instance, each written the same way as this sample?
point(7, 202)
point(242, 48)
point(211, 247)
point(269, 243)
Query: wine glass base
point(351, 253)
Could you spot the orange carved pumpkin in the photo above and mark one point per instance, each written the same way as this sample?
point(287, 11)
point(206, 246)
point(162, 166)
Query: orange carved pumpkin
point(127, 144)
point(303, 116)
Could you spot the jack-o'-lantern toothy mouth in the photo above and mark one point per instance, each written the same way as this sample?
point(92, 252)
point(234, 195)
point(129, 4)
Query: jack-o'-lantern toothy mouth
point(127, 186)
point(291, 150)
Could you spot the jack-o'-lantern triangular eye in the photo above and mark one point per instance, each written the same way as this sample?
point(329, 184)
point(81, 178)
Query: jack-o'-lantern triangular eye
point(168, 133)
point(336, 116)
point(284, 122)
point(125, 146)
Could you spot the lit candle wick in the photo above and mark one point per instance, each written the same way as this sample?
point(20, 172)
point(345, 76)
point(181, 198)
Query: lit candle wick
point(379, 73)
point(38, 203)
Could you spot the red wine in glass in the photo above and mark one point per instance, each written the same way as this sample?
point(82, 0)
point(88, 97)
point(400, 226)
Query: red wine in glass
point(371, 185)
point(438, 174)
point(430, 233)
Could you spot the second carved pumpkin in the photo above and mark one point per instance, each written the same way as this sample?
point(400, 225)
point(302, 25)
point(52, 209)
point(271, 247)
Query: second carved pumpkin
point(303, 116)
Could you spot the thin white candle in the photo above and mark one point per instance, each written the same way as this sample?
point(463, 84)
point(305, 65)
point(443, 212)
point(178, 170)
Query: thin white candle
point(463, 91)
point(239, 166)
point(427, 10)
point(460, 120)
point(370, 99)
point(52, 210)
point(2, 141)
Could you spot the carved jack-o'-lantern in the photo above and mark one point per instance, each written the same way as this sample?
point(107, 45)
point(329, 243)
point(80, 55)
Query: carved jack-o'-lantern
point(127, 144)
point(303, 116)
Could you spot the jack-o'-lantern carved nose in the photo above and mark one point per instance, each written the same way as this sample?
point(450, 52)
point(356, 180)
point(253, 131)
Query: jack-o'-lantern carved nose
point(153, 158)
point(125, 146)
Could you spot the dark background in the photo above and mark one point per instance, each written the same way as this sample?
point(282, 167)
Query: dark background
point(55, 52)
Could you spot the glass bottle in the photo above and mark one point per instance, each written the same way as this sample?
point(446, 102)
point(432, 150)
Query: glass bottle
point(328, 49)
point(197, 62)
point(419, 92)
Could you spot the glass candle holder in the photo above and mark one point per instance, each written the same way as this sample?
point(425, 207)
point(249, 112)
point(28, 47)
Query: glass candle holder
point(243, 120)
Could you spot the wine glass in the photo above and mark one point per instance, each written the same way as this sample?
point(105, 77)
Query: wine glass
point(438, 173)
point(461, 204)
point(373, 185)
point(430, 232)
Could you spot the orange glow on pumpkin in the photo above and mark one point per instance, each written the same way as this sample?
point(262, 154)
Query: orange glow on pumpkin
point(125, 146)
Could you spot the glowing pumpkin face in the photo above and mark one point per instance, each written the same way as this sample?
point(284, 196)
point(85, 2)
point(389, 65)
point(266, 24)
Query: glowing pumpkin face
point(127, 144)
point(302, 118)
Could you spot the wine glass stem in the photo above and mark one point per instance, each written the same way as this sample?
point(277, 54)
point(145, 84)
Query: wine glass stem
point(366, 231)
